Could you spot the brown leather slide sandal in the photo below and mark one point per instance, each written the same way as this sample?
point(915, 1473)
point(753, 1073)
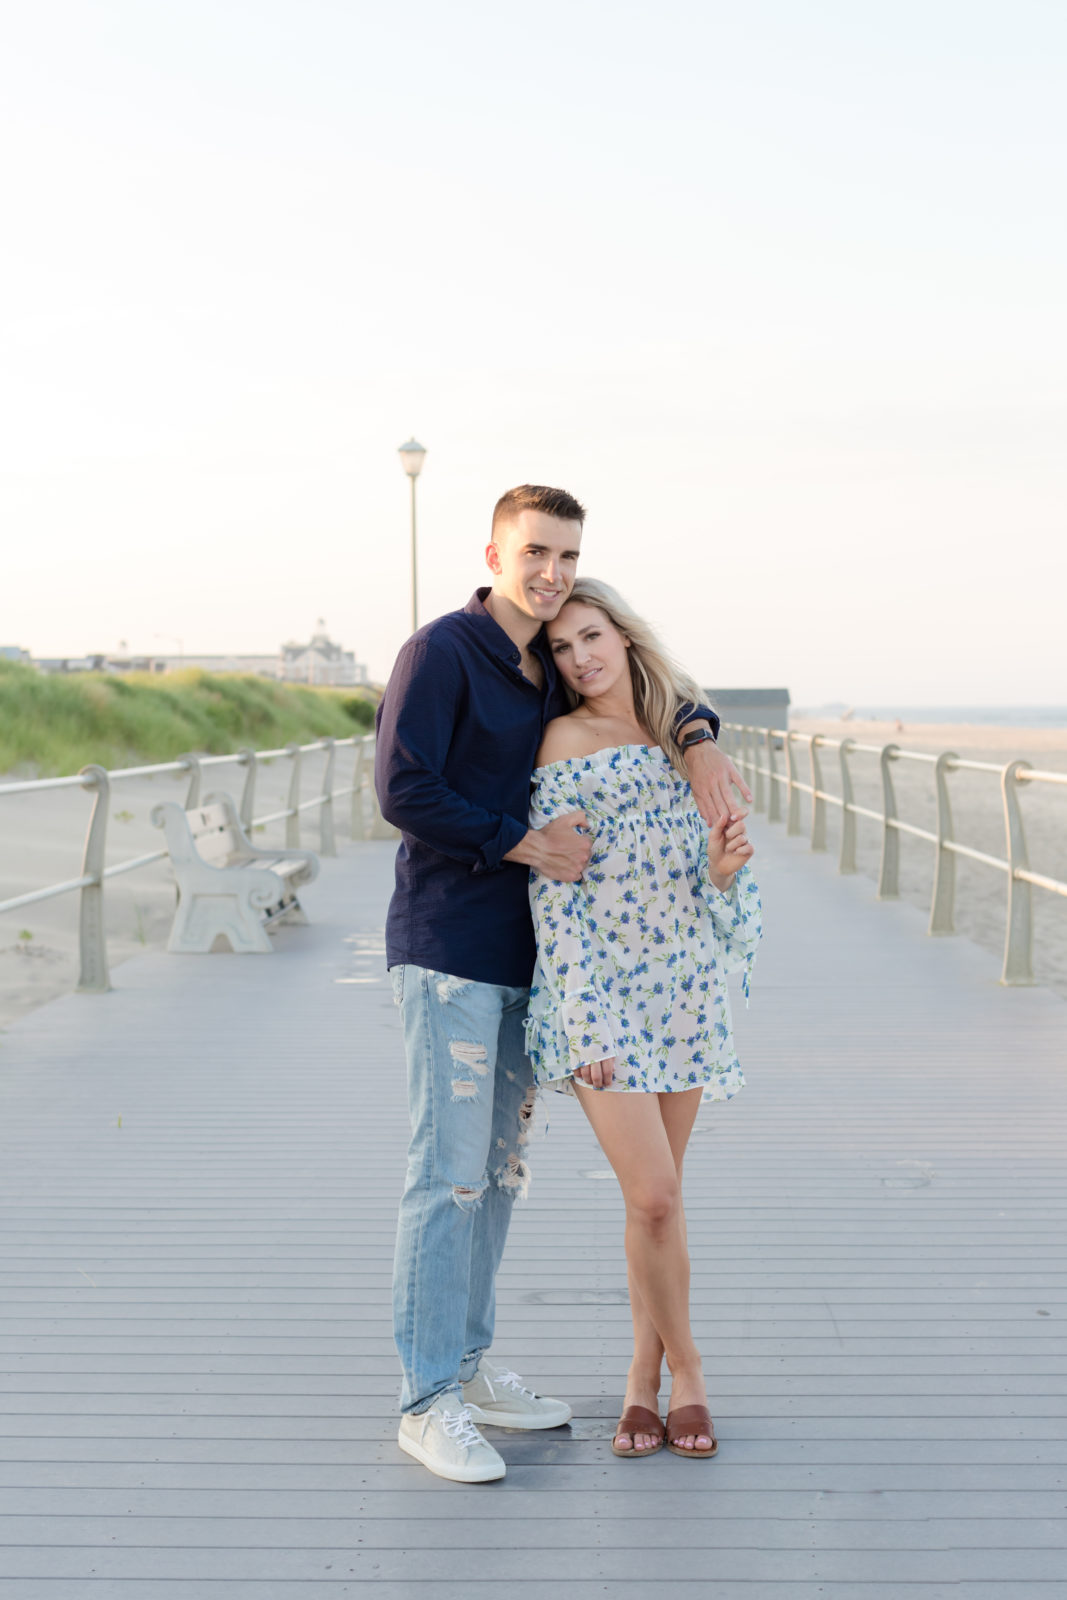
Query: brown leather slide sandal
point(690, 1422)
point(635, 1420)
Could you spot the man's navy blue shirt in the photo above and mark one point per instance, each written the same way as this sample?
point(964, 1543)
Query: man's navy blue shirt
point(458, 731)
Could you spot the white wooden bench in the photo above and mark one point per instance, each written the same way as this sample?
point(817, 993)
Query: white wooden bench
point(225, 885)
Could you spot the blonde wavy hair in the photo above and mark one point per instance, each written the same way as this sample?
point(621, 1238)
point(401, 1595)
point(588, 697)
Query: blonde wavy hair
point(661, 686)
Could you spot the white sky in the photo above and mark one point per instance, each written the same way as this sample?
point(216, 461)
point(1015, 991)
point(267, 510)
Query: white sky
point(776, 288)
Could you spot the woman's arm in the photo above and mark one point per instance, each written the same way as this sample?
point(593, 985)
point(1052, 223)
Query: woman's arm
point(723, 883)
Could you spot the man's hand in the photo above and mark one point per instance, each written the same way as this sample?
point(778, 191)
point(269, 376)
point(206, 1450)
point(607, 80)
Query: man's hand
point(711, 772)
point(597, 1073)
point(728, 850)
point(558, 850)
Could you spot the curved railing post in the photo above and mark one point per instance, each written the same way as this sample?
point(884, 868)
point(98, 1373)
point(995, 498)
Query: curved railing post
point(358, 826)
point(192, 794)
point(792, 815)
point(846, 861)
point(1019, 938)
point(93, 977)
point(292, 821)
point(889, 874)
point(943, 899)
point(247, 758)
point(774, 799)
point(759, 793)
point(818, 805)
point(327, 845)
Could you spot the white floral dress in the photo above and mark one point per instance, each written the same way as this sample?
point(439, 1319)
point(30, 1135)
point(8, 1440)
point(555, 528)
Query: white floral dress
point(632, 960)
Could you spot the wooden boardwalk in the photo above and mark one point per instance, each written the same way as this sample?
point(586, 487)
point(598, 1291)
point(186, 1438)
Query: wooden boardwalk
point(198, 1185)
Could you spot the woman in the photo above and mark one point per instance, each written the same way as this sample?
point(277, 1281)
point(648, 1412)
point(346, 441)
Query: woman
point(629, 1000)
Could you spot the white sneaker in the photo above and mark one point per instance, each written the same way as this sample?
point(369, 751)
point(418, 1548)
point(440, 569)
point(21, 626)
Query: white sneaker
point(498, 1396)
point(444, 1438)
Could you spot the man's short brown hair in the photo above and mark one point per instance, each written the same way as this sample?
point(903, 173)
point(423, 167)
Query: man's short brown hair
point(535, 497)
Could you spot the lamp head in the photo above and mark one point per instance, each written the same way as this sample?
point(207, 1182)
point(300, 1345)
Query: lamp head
point(412, 455)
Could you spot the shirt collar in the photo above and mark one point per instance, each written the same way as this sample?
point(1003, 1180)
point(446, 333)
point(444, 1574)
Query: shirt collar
point(496, 640)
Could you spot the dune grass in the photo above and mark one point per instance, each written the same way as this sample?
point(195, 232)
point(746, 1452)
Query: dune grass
point(51, 726)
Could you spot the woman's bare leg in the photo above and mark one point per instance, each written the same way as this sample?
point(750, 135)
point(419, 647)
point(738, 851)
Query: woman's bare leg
point(679, 1112)
point(633, 1133)
point(687, 1384)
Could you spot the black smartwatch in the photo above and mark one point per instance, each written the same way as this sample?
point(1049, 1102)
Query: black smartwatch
point(688, 740)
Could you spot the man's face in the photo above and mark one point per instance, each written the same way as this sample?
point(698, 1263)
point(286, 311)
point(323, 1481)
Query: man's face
point(534, 562)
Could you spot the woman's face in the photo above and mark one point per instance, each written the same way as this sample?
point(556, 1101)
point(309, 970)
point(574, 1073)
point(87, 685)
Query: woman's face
point(589, 651)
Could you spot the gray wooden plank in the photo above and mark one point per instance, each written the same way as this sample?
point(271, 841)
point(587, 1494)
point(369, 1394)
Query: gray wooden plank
point(421, 1579)
point(514, 1533)
point(197, 1388)
point(748, 1564)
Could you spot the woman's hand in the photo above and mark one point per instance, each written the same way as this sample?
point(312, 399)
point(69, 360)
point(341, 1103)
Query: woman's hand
point(728, 849)
point(597, 1073)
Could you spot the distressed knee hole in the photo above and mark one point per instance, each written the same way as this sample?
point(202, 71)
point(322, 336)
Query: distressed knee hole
point(514, 1175)
point(467, 1053)
point(468, 1196)
point(464, 1089)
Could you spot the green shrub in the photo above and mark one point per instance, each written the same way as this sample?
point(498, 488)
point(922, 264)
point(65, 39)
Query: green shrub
point(53, 725)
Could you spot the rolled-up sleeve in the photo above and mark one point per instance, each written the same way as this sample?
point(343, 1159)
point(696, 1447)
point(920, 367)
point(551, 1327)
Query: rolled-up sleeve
point(416, 723)
point(690, 713)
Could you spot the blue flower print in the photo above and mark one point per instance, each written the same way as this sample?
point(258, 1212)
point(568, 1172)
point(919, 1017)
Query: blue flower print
point(645, 904)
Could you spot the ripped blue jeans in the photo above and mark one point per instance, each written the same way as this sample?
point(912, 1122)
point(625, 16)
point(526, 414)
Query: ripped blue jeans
point(470, 1094)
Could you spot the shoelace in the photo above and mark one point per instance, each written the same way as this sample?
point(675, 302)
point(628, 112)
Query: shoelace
point(511, 1380)
point(459, 1426)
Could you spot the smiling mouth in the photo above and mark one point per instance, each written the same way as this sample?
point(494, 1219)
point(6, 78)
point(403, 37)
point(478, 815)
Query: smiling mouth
point(584, 677)
point(547, 594)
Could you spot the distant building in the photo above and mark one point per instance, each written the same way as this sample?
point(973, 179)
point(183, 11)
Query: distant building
point(320, 661)
point(95, 663)
point(13, 652)
point(52, 664)
point(760, 708)
point(258, 666)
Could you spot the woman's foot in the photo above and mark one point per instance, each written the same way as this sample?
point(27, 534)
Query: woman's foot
point(688, 1389)
point(639, 1392)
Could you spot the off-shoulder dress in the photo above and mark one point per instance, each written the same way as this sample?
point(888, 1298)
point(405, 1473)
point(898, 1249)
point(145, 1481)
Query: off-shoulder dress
point(632, 960)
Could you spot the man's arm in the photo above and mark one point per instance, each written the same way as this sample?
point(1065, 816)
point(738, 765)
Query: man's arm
point(557, 850)
point(711, 772)
point(416, 721)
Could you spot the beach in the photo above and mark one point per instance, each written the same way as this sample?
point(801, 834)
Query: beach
point(978, 817)
point(42, 836)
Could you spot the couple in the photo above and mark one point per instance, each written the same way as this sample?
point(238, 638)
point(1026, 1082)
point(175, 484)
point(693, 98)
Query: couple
point(632, 858)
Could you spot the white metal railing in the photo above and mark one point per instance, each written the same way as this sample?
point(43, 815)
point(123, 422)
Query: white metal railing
point(93, 975)
point(751, 745)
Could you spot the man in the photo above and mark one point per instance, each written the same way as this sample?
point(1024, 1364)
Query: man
point(458, 730)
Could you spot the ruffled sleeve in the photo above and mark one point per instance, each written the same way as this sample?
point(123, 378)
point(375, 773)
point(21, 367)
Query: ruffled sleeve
point(571, 1022)
point(736, 918)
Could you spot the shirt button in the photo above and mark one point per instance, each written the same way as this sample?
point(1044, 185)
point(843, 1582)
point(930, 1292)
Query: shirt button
point(515, 656)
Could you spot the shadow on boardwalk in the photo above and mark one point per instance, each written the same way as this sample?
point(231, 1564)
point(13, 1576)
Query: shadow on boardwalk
point(198, 1378)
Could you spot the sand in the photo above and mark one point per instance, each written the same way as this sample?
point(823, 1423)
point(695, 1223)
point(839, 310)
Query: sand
point(42, 835)
point(981, 892)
